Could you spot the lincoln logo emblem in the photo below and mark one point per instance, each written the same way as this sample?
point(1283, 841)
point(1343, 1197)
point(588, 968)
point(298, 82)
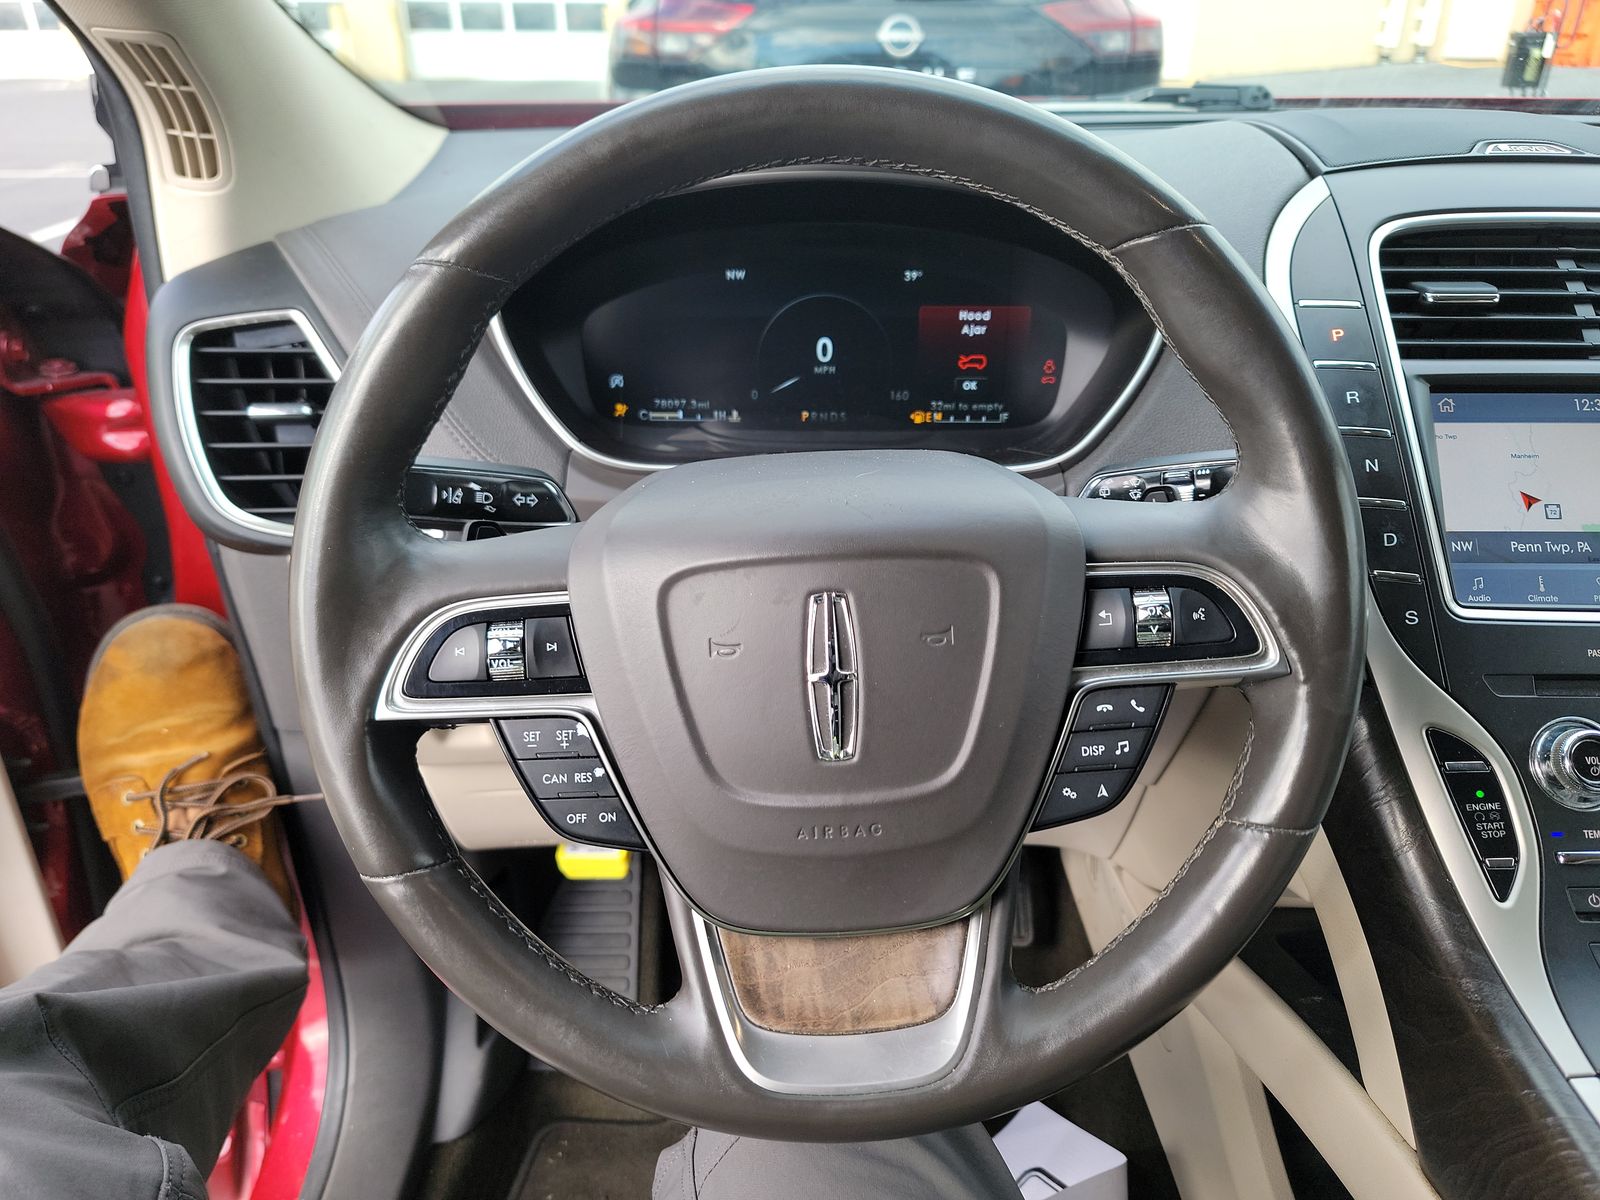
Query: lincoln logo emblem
point(831, 675)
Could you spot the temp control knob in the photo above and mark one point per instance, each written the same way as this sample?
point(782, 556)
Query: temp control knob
point(1565, 759)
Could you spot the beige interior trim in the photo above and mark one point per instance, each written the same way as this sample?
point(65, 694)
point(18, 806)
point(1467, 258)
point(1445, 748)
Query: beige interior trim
point(1203, 1074)
point(1209, 1109)
point(478, 795)
point(1323, 883)
point(305, 139)
point(28, 934)
point(1362, 1146)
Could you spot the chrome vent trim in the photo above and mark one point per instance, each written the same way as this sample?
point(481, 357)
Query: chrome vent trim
point(1490, 288)
point(248, 412)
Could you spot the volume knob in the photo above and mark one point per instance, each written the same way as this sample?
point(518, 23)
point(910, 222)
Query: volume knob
point(1565, 759)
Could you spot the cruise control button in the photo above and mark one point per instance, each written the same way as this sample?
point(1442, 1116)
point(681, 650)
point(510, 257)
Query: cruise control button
point(551, 654)
point(1082, 794)
point(547, 737)
point(1111, 750)
point(460, 659)
point(1108, 623)
point(562, 778)
point(1197, 620)
point(597, 819)
point(1111, 708)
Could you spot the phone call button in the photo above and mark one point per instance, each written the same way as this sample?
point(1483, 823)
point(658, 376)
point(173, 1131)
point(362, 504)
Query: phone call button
point(1120, 708)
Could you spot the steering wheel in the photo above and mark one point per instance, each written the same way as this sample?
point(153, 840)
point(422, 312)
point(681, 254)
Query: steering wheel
point(884, 847)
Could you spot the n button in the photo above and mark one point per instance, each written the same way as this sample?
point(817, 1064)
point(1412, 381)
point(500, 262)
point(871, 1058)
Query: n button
point(1376, 464)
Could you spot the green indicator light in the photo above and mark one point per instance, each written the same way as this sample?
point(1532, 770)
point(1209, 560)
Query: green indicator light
point(1478, 793)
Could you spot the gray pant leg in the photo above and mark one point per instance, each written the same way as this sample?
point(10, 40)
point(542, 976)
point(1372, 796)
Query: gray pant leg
point(123, 1063)
point(961, 1164)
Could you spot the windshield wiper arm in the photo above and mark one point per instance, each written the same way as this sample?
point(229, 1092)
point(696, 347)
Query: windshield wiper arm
point(1220, 97)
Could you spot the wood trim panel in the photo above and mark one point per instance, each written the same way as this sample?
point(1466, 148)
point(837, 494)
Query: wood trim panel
point(862, 983)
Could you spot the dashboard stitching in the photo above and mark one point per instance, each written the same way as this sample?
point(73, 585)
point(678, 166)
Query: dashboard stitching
point(1215, 828)
point(490, 305)
point(1150, 237)
point(478, 271)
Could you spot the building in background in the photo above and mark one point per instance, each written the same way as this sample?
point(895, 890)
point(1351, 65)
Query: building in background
point(34, 46)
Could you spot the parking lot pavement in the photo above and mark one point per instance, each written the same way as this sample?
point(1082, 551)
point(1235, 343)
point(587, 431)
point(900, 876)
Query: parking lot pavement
point(48, 145)
point(1421, 79)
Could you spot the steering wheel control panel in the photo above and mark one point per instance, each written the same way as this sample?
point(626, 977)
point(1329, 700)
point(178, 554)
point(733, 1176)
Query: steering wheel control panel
point(521, 651)
point(1108, 737)
point(569, 779)
point(1164, 482)
point(460, 501)
point(1160, 618)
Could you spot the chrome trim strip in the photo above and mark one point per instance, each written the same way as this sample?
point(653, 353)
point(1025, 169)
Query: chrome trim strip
point(1349, 364)
point(1588, 1089)
point(1510, 930)
point(1280, 248)
point(189, 423)
point(1327, 304)
point(848, 1063)
point(1430, 515)
point(1113, 413)
point(394, 705)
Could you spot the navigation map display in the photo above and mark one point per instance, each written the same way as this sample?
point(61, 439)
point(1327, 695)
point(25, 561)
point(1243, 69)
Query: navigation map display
point(1519, 482)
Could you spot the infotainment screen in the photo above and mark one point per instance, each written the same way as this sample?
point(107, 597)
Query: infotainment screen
point(1519, 486)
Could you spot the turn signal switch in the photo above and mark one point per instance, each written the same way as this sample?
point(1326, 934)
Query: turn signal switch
point(1565, 759)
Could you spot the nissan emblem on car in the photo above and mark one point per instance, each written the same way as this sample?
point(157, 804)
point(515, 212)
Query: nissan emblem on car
point(831, 675)
point(900, 35)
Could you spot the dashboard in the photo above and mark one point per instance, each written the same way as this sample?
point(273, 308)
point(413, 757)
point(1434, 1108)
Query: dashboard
point(804, 314)
point(823, 309)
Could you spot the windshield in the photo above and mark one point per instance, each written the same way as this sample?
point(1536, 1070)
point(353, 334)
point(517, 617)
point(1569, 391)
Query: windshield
point(521, 52)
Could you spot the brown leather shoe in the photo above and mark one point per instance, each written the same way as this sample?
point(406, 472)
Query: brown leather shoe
point(168, 745)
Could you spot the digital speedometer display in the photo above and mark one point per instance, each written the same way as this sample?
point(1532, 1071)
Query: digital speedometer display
point(821, 310)
point(853, 328)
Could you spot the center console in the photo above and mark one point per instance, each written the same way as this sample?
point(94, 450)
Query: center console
point(1460, 354)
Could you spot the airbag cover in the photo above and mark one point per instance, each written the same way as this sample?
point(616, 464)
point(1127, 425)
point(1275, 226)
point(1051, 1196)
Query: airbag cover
point(692, 597)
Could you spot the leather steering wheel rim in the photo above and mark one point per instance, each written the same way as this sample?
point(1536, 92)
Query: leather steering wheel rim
point(1286, 531)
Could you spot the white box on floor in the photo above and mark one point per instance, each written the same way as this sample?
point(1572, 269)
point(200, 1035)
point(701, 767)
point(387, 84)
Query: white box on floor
point(1051, 1157)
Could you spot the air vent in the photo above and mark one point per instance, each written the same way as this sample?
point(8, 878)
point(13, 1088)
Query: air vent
point(175, 102)
point(1495, 291)
point(258, 390)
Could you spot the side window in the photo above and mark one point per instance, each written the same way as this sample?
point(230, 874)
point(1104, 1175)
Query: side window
point(45, 159)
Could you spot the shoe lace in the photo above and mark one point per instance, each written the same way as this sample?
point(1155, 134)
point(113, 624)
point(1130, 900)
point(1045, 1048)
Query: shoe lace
point(214, 815)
